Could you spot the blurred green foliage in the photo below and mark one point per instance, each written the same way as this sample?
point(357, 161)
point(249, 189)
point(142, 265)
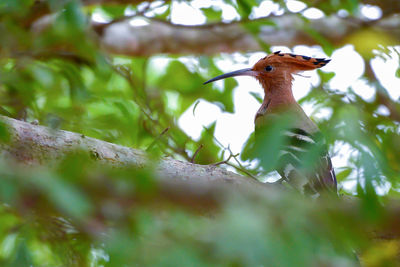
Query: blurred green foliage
point(77, 213)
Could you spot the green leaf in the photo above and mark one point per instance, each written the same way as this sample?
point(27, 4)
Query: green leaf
point(212, 14)
point(188, 83)
point(65, 196)
point(324, 42)
point(209, 153)
point(4, 134)
point(165, 14)
point(244, 8)
point(351, 5)
point(397, 74)
point(114, 11)
point(343, 173)
point(257, 96)
point(325, 76)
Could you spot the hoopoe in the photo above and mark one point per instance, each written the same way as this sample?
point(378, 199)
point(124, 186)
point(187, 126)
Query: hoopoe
point(275, 74)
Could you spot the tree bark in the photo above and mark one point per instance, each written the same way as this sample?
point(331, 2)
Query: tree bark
point(287, 30)
point(36, 145)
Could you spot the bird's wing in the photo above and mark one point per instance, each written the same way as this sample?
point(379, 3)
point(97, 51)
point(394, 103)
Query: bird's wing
point(294, 162)
point(304, 160)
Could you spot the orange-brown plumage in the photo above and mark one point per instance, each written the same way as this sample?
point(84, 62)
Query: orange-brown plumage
point(275, 74)
point(277, 83)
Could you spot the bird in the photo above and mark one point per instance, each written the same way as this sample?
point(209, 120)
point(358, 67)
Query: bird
point(275, 74)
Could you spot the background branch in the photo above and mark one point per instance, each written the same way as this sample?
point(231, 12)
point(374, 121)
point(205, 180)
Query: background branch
point(161, 36)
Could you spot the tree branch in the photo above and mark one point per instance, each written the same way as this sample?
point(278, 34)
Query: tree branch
point(35, 145)
point(288, 30)
point(159, 36)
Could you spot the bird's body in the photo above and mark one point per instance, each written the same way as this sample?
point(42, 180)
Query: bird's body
point(274, 72)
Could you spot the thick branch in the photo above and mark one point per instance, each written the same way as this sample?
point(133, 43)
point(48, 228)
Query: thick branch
point(120, 37)
point(33, 144)
point(290, 30)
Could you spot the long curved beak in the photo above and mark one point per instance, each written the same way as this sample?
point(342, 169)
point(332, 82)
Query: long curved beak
point(242, 72)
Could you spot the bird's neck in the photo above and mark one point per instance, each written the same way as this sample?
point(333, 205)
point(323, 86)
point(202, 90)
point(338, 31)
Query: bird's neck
point(277, 98)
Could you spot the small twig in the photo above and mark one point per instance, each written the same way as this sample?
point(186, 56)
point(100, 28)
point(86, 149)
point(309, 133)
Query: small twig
point(215, 139)
point(231, 155)
point(195, 153)
point(241, 167)
point(157, 138)
point(243, 170)
point(127, 75)
point(225, 161)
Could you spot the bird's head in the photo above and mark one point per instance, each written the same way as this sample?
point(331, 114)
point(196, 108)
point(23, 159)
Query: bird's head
point(276, 69)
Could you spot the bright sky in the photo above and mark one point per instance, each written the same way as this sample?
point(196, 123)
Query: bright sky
point(234, 129)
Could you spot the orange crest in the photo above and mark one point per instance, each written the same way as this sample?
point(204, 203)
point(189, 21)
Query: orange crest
point(291, 62)
point(276, 69)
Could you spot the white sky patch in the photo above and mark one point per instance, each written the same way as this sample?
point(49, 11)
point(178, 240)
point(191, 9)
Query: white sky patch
point(283, 49)
point(382, 188)
point(371, 12)
point(204, 114)
point(240, 57)
point(100, 16)
point(340, 159)
point(323, 113)
point(234, 129)
point(138, 22)
point(308, 108)
point(383, 110)
point(204, 3)
point(348, 67)
point(350, 185)
point(190, 62)
point(363, 89)
point(264, 9)
point(185, 14)
point(227, 63)
point(295, 6)
point(385, 70)
point(313, 13)
point(229, 13)
point(343, 152)
point(343, 13)
point(159, 64)
point(156, 8)
point(302, 84)
point(254, 58)
point(173, 100)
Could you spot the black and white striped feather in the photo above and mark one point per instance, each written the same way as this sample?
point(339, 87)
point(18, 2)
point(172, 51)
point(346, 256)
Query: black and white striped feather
point(321, 176)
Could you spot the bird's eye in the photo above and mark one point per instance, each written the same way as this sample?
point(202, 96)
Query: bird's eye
point(269, 68)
